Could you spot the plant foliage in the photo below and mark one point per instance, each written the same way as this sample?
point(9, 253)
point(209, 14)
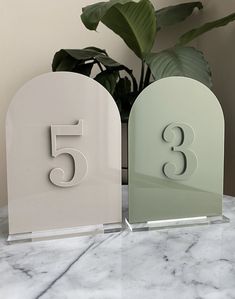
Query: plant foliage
point(137, 23)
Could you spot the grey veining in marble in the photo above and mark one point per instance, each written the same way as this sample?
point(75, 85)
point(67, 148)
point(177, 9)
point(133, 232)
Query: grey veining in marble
point(184, 263)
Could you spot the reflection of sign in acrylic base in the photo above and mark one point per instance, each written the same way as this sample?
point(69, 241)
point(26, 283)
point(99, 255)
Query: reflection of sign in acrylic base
point(176, 138)
point(63, 158)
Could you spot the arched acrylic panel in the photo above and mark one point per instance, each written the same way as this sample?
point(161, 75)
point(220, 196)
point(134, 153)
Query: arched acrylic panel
point(176, 152)
point(63, 135)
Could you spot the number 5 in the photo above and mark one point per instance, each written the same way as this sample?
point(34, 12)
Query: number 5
point(80, 163)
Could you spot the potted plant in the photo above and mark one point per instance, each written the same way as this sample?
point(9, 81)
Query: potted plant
point(137, 23)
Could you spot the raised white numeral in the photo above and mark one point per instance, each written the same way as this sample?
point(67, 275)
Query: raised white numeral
point(80, 163)
point(190, 159)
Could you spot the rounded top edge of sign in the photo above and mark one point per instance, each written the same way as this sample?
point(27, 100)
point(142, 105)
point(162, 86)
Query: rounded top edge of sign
point(175, 79)
point(60, 75)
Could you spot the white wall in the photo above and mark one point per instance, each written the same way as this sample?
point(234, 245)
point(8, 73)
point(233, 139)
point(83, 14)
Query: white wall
point(33, 30)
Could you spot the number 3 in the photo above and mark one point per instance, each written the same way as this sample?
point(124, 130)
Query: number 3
point(190, 159)
point(80, 163)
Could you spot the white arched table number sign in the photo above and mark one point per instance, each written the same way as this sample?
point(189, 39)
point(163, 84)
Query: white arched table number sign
point(176, 156)
point(63, 140)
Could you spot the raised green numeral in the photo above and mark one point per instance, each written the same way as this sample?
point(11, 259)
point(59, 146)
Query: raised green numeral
point(190, 159)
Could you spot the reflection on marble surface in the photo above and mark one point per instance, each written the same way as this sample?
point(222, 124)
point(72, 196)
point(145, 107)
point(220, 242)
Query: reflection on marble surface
point(185, 263)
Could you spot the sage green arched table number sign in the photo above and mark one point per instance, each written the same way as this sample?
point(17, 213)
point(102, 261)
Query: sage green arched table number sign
point(63, 136)
point(176, 156)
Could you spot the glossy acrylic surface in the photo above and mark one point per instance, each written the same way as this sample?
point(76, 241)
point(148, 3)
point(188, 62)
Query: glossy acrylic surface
point(63, 134)
point(176, 152)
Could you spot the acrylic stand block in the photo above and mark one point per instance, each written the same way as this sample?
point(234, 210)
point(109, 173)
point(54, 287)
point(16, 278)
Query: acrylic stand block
point(65, 233)
point(174, 223)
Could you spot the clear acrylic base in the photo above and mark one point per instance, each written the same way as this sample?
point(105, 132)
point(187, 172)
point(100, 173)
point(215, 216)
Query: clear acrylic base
point(174, 223)
point(65, 233)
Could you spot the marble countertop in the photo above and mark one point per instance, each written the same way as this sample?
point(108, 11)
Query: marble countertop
point(184, 263)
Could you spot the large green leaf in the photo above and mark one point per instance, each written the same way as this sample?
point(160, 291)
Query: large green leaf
point(63, 62)
point(192, 34)
point(93, 14)
point(109, 62)
point(82, 60)
point(85, 54)
point(174, 14)
point(180, 61)
point(123, 96)
point(84, 68)
point(108, 79)
point(134, 22)
point(122, 92)
point(123, 87)
point(69, 58)
point(74, 60)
